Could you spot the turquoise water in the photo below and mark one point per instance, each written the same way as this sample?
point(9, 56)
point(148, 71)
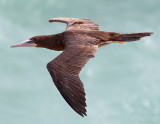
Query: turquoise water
point(122, 82)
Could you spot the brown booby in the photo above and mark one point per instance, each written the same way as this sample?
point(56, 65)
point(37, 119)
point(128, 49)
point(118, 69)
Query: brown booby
point(79, 42)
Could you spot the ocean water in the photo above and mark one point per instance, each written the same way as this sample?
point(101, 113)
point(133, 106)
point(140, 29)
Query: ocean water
point(122, 82)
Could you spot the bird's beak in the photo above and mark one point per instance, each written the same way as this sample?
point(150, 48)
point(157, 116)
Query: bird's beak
point(26, 43)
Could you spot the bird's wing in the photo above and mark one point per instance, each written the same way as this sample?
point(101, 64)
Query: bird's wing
point(65, 69)
point(77, 23)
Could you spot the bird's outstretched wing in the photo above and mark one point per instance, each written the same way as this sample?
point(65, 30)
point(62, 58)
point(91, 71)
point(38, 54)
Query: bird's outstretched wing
point(77, 23)
point(65, 69)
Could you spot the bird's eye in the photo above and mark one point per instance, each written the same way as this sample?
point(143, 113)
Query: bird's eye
point(30, 41)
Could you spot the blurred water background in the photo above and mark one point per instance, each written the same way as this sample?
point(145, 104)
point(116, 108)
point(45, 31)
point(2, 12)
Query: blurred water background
point(122, 82)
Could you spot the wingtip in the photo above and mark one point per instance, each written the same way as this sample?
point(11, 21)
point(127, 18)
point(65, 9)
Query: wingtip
point(59, 19)
point(50, 20)
point(85, 114)
point(82, 114)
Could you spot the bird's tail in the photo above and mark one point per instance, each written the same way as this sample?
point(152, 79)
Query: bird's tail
point(113, 37)
point(129, 37)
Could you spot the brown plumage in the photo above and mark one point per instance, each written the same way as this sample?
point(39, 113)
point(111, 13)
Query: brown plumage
point(79, 42)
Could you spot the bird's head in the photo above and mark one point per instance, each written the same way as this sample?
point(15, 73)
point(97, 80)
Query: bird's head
point(43, 41)
point(31, 42)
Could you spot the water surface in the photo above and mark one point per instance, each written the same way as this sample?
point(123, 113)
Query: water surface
point(122, 82)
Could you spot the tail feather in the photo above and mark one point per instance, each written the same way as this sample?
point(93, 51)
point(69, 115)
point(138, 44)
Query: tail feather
point(113, 36)
point(110, 37)
point(132, 36)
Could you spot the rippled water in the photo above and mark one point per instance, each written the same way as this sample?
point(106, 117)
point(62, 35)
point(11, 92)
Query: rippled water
point(122, 82)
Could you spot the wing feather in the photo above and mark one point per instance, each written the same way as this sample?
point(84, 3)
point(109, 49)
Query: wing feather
point(65, 69)
point(77, 23)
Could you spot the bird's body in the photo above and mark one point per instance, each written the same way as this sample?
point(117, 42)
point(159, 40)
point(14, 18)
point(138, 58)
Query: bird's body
point(79, 42)
point(59, 41)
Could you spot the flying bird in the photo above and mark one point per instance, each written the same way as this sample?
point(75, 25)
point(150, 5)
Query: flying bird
point(79, 42)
